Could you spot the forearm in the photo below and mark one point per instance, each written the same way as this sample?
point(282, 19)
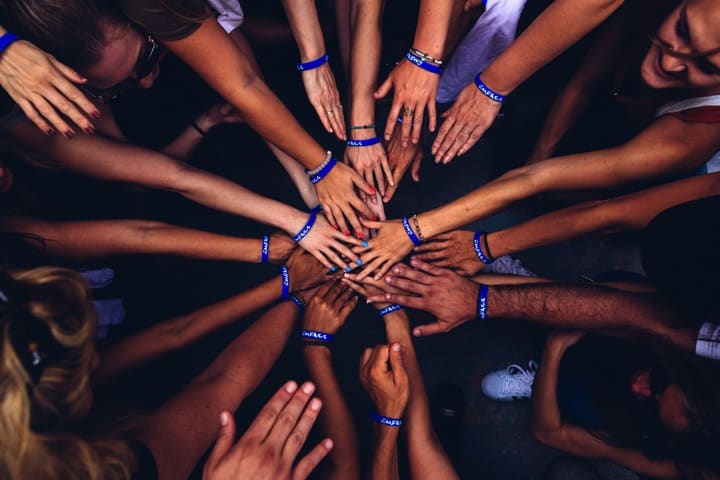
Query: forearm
point(432, 26)
point(628, 212)
point(385, 458)
point(184, 144)
point(211, 53)
point(176, 333)
point(305, 25)
point(549, 35)
point(545, 416)
point(593, 309)
point(365, 59)
point(335, 416)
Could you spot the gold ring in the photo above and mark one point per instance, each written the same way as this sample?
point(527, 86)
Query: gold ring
point(408, 112)
point(466, 132)
point(330, 112)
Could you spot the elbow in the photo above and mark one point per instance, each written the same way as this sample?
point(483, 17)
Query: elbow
point(546, 435)
point(181, 179)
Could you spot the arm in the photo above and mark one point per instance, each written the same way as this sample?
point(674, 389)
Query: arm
point(319, 82)
point(212, 54)
point(326, 313)
point(44, 88)
point(366, 40)
point(385, 456)
point(174, 334)
point(548, 36)
point(105, 238)
point(548, 427)
point(668, 146)
point(629, 212)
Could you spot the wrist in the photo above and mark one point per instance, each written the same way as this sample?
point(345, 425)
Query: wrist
point(362, 134)
point(498, 83)
point(294, 222)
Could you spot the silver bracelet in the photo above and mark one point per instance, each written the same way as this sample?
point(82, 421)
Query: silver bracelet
point(316, 170)
point(425, 57)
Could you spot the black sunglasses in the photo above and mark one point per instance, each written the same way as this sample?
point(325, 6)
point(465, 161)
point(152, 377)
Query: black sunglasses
point(147, 61)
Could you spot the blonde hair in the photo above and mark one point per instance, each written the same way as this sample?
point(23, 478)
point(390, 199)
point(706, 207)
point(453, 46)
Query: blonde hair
point(36, 409)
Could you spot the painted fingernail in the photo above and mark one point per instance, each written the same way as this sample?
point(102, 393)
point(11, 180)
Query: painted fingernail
point(347, 233)
point(89, 130)
point(333, 269)
point(364, 243)
point(336, 227)
point(375, 219)
point(50, 132)
point(95, 114)
point(348, 269)
point(69, 134)
point(358, 261)
point(372, 191)
point(360, 235)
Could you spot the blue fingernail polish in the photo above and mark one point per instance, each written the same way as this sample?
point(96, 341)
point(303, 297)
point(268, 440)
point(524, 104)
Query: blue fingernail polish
point(364, 243)
point(333, 269)
point(358, 261)
point(348, 269)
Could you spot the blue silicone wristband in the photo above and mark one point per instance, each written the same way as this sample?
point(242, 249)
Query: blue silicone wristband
point(265, 251)
point(410, 233)
point(415, 60)
point(482, 302)
point(285, 275)
point(308, 225)
point(7, 40)
point(323, 173)
point(315, 335)
point(313, 64)
point(487, 91)
point(297, 302)
point(363, 143)
point(389, 309)
point(387, 421)
point(478, 249)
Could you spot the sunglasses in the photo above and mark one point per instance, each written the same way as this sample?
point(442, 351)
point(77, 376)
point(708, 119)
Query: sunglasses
point(147, 60)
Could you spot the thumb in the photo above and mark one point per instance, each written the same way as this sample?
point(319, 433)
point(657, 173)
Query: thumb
point(385, 88)
point(225, 438)
point(429, 329)
point(396, 362)
point(415, 169)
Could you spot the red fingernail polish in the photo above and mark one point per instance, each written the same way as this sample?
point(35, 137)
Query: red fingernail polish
point(70, 134)
point(372, 191)
point(50, 132)
point(89, 130)
point(347, 233)
point(336, 227)
point(95, 114)
point(360, 235)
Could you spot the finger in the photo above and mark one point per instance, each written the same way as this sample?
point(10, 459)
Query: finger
point(335, 258)
point(308, 463)
point(463, 135)
point(324, 116)
point(472, 139)
point(297, 437)
point(415, 168)
point(321, 258)
point(433, 257)
point(32, 114)
point(336, 119)
point(290, 414)
point(224, 441)
point(443, 153)
point(74, 94)
point(432, 245)
point(397, 365)
point(370, 267)
point(380, 358)
point(349, 305)
point(379, 176)
point(336, 290)
point(404, 300)
point(352, 217)
point(407, 125)
point(330, 215)
point(384, 88)
point(361, 184)
point(385, 165)
point(429, 329)
point(432, 114)
point(383, 269)
point(401, 271)
point(372, 224)
point(442, 133)
point(427, 268)
point(417, 123)
point(407, 285)
point(324, 291)
point(49, 113)
point(390, 192)
point(339, 216)
point(344, 240)
point(265, 420)
point(355, 286)
point(392, 119)
point(70, 111)
point(344, 297)
point(364, 359)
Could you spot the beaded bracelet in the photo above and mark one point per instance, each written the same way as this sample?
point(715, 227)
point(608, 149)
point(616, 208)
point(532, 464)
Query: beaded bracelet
point(416, 223)
point(487, 91)
point(313, 64)
point(308, 225)
point(285, 282)
point(362, 127)
point(298, 300)
point(486, 259)
point(316, 170)
point(425, 56)
point(408, 229)
point(430, 67)
point(389, 309)
point(315, 335)
point(323, 172)
point(6, 40)
point(387, 421)
point(366, 142)
point(482, 302)
point(265, 250)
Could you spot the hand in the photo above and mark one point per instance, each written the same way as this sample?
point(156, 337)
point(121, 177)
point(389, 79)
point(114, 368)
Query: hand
point(415, 89)
point(280, 248)
point(385, 250)
point(465, 122)
point(371, 162)
point(338, 198)
point(564, 339)
point(324, 97)
point(452, 250)
point(400, 159)
point(388, 388)
point(327, 310)
point(448, 296)
point(305, 271)
point(217, 114)
point(327, 245)
point(43, 88)
point(369, 287)
point(270, 445)
point(377, 207)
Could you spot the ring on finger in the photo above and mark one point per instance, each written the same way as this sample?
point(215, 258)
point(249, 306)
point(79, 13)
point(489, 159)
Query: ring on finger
point(408, 112)
point(466, 132)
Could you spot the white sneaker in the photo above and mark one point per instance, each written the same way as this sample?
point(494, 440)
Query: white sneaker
point(513, 383)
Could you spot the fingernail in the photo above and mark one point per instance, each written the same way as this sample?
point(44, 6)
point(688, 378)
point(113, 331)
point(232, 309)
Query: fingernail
point(396, 269)
point(308, 388)
point(364, 243)
point(315, 404)
point(358, 261)
point(50, 132)
point(375, 219)
point(347, 233)
point(387, 137)
point(224, 419)
point(396, 347)
point(70, 134)
point(95, 114)
point(328, 443)
point(290, 387)
point(333, 269)
point(348, 269)
point(89, 130)
point(372, 191)
point(417, 332)
point(360, 235)
point(388, 279)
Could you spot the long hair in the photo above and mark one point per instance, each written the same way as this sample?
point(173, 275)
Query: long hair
point(48, 327)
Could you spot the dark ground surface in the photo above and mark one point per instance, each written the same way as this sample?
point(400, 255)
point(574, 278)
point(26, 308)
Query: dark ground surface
point(495, 437)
